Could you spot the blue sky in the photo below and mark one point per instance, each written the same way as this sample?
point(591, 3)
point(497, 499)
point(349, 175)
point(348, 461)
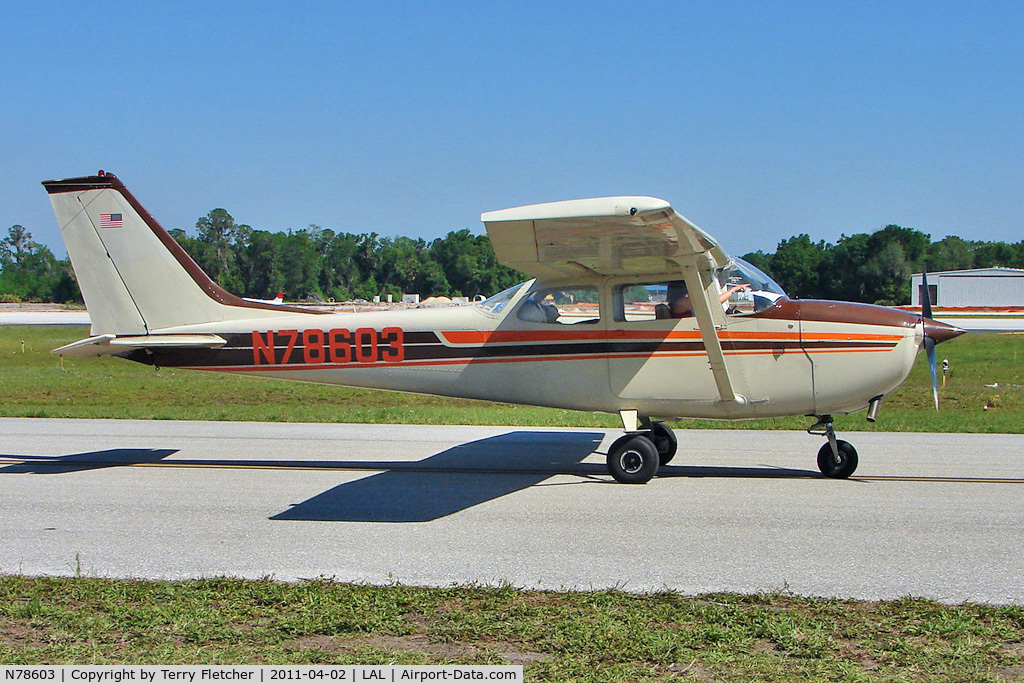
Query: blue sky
point(758, 121)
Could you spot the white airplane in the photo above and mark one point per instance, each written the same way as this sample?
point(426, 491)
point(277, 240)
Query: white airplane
point(279, 299)
point(633, 310)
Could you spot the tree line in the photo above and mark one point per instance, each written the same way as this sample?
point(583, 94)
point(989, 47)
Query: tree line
point(30, 272)
point(875, 268)
point(311, 264)
point(318, 264)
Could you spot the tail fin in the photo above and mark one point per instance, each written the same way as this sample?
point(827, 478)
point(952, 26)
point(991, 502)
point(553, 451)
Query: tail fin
point(134, 277)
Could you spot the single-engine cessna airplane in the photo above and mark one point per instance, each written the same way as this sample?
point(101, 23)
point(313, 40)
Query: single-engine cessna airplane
point(633, 310)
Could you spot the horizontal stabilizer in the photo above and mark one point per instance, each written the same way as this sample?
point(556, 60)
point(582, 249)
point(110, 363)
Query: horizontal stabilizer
point(104, 344)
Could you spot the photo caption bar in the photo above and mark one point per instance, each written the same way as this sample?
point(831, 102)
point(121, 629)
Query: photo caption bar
point(391, 673)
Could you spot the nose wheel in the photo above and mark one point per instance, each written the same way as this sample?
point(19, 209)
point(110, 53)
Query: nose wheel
point(837, 459)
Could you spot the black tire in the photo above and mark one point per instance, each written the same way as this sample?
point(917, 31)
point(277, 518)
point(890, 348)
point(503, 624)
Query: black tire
point(633, 459)
point(847, 460)
point(664, 439)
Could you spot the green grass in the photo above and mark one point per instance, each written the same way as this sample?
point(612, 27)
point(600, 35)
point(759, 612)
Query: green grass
point(575, 636)
point(36, 384)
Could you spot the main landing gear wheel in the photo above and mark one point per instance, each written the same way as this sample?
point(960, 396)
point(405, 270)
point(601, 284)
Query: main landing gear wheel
point(841, 468)
point(664, 439)
point(633, 459)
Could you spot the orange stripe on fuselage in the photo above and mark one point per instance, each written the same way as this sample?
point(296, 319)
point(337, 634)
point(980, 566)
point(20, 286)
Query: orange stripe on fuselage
point(480, 337)
point(851, 336)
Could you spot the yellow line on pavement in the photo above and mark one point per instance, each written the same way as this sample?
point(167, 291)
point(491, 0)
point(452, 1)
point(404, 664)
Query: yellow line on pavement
point(943, 480)
point(414, 466)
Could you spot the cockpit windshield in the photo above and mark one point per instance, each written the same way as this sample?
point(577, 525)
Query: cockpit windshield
point(496, 304)
point(752, 290)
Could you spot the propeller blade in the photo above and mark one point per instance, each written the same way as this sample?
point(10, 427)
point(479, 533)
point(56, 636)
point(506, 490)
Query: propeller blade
point(926, 296)
point(929, 340)
point(929, 347)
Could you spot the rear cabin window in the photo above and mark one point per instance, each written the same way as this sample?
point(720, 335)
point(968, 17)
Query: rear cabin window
point(561, 306)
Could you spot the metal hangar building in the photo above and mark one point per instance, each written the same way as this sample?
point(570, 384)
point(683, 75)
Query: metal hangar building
point(978, 288)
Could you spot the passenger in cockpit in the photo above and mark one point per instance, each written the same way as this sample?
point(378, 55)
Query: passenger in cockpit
point(679, 304)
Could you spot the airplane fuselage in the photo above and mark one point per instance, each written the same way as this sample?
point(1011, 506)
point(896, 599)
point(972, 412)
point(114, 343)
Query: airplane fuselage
point(795, 357)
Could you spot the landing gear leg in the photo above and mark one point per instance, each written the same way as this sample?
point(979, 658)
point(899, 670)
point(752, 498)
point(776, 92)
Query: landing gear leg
point(837, 459)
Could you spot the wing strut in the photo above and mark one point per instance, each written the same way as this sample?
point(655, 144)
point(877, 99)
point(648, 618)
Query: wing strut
point(710, 318)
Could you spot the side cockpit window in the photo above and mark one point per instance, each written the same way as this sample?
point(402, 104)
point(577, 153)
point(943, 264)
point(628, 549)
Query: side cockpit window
point(561, 306)
point(739, 292)
point(642, 301)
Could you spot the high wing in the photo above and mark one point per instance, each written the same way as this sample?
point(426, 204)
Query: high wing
point(619, 236)
point(605, 235)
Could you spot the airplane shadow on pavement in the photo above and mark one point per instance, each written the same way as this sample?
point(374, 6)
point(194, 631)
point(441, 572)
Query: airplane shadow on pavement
point(453, 480)
point(476, 472)
point(443, 484)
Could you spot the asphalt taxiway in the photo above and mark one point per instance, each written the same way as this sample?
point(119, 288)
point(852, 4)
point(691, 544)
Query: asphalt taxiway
point(932, 515)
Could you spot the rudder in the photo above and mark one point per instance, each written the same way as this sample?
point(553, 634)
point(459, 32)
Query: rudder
point(134, 277)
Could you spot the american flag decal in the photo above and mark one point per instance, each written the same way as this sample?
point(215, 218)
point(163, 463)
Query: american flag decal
point(111, 220)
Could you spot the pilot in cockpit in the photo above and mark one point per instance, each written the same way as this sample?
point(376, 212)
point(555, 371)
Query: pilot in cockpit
point(678, 300)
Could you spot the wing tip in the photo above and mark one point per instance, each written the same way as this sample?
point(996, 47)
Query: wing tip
point(578, 208)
